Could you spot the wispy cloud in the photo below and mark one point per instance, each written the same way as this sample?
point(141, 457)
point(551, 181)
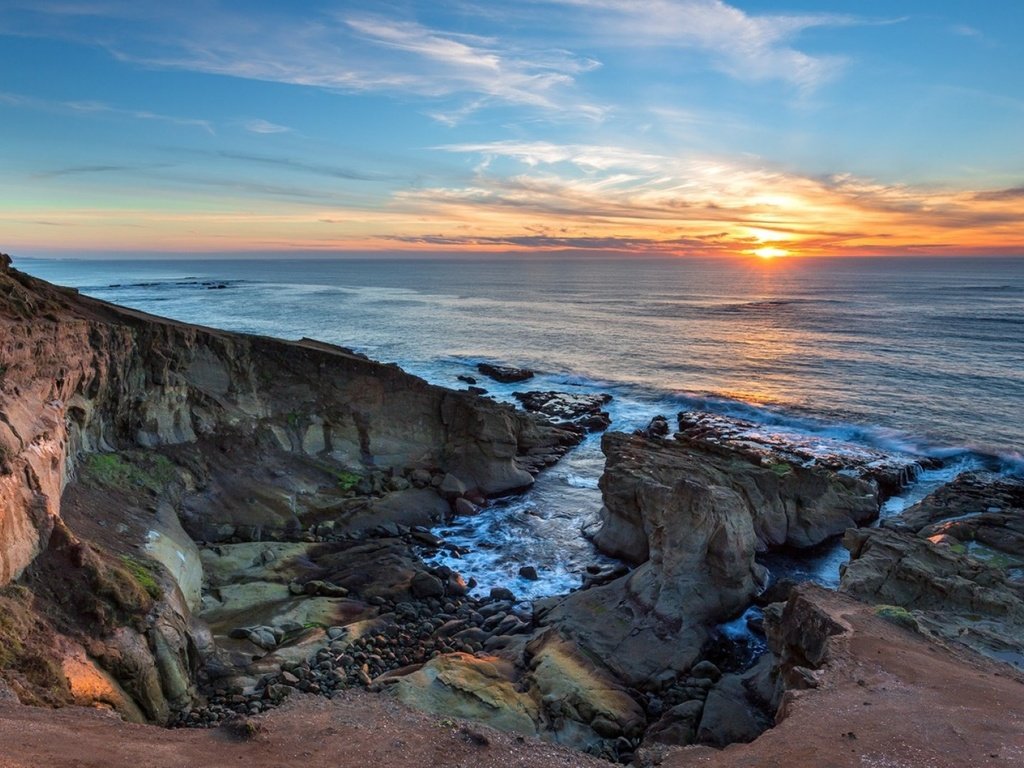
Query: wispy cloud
point(1001, 195)
point(965, 30)
point(745, 46)
point(139, 114)
point(319, 169)
point(100, 108)
point(258, 125)
point(76, 170)
point(358, 52)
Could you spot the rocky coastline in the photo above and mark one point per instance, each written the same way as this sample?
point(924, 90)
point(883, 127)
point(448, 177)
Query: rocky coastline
point(205, 529)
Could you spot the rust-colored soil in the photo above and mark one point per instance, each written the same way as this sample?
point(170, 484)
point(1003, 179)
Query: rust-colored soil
point(888, 699)
point(356, 729)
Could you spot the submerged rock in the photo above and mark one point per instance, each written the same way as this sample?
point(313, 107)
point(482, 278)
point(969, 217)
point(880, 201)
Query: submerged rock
point(505, 374)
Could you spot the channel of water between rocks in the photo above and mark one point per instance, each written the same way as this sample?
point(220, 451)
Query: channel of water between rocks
point(543, 529)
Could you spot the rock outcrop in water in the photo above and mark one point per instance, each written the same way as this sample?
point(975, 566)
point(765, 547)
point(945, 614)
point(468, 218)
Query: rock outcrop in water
point(786, 504)
point(889, 471)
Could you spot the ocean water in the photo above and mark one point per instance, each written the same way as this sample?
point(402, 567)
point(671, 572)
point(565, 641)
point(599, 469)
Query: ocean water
point(920, 355)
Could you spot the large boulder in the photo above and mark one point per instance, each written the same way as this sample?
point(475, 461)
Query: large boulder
point(695, 536)
point(786, 504)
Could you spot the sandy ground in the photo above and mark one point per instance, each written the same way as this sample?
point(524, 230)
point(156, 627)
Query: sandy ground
point(887, 700)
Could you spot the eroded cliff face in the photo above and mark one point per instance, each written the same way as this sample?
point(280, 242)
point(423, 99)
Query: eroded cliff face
point(233, 436)
point(78, 375)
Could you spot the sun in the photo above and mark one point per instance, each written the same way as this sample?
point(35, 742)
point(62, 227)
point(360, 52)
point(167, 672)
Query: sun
point(769, 252)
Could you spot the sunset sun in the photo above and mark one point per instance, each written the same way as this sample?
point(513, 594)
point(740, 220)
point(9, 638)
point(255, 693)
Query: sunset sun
point(770, 252)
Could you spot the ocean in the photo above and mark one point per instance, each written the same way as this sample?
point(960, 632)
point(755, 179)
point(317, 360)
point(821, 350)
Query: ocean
point(919, 355)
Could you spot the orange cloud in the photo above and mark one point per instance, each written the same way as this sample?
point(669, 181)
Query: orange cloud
point(558, 198)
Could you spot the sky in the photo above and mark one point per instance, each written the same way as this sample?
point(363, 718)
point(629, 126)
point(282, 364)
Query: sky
point(655, 127)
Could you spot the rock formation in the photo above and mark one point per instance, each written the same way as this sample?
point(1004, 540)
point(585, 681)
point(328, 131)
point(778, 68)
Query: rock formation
point(241, 437)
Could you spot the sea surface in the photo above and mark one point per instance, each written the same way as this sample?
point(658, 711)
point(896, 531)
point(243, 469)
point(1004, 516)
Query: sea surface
point(919, 355)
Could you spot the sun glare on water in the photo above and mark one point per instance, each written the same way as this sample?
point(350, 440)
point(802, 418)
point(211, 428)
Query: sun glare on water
point(768, 252)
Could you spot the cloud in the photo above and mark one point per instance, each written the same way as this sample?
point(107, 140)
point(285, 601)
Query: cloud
point(76, 170)
point(745, 46)
point(643, 201)
point(997, 195)
point(259, 125)
point(352, 52)
point(138, 114)
point(322, 169)
point(965, 30)
point(99, 108)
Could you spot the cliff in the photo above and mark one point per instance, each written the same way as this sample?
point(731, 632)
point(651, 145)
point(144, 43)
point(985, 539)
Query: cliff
point(79, 376)
point(125, 438)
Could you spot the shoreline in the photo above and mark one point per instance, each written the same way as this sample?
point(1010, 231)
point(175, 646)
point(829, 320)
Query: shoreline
point(644, 399)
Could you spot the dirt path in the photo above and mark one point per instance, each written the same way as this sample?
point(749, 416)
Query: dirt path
point(356, 729)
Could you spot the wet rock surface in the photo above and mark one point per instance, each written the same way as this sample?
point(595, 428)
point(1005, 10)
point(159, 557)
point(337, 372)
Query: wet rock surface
point(774, 446)
point(935, 589)
point(505, 374)
point(979, 513)
point(584, 411)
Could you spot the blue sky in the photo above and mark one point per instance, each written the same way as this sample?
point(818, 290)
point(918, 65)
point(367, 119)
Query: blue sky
point(680, 126)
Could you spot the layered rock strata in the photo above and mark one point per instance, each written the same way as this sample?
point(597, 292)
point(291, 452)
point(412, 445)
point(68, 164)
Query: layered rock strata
point(240, 437)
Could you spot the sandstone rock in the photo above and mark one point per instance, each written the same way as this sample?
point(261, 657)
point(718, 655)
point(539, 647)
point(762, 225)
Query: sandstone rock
point(464, 686)
point(657, 427)
point(678, 726)
point(585, 691)
point(778, 448)
point(707, 670)
point(581, 409)
point(452, 487)
point(799, 507)
point(982, 510)
point(465, 507)
point(528, 572)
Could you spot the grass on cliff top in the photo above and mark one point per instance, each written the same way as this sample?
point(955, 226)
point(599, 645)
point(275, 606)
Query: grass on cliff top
point(128, 470)
point(897, 615)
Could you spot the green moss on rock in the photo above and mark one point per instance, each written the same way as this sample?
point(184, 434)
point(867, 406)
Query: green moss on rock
point(897, 615)
point(128, 470)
